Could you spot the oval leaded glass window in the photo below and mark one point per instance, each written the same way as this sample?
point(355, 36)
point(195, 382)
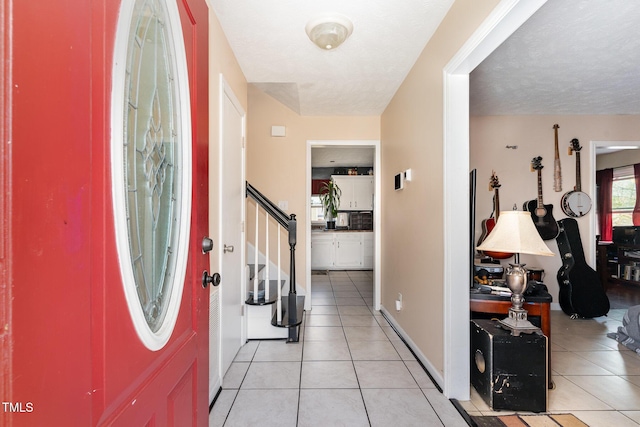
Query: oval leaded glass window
point(151, 164)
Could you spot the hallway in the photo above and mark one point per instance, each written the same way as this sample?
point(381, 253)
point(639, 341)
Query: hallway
point(349, 369)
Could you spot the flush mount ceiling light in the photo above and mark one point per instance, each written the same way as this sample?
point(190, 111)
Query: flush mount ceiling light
point(329, 31)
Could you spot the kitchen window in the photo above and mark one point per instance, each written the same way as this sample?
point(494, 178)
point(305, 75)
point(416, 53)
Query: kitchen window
point(317, 210)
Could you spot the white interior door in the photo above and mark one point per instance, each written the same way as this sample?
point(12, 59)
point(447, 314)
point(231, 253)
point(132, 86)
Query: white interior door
point(232, 181)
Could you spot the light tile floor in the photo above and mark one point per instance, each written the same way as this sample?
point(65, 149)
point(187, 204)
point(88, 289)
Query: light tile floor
point(350, 368)
point(596, 379)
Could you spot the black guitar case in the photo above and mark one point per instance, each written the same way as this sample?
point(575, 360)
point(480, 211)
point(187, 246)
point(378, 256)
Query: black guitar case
point(581, 292)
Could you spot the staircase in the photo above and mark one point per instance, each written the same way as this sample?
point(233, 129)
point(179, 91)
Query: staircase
point(274, 310)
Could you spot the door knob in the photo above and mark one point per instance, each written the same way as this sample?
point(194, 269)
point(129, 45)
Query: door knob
point(227, 248)
point(207, 245)
point(213, 279)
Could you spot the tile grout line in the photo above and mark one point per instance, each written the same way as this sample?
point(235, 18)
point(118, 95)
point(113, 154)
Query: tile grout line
point(304, 334)
point(239, 386)
point(364, 404)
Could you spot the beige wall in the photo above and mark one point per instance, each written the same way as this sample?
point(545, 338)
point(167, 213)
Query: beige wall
point(534, 136)
point(277, 166)
point(619, 158)
point(221, 61)
point(412, 219)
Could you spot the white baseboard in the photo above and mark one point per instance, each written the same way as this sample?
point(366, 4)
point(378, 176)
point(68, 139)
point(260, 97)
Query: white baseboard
point(435, 374)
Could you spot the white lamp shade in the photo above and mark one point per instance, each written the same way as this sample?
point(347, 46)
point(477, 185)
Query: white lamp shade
point(515, 232)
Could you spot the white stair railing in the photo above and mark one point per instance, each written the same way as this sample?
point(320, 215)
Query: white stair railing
point(267, 266)
point(286, 223)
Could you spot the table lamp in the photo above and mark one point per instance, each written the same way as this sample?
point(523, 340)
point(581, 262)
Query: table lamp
point(515, 232)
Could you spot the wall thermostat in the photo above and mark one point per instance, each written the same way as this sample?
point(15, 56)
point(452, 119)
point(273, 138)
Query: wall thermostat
point(399, 181)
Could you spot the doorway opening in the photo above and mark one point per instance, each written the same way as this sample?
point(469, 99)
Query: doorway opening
point(622, 293)
point(501, 23)
point(366, 147)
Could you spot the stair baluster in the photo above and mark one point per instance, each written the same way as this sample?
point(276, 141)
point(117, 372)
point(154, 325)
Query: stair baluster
point(267, 275)
point(256, 280)
point(279, 302)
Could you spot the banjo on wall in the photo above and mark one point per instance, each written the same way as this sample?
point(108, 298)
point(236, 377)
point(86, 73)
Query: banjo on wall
point(576, 203)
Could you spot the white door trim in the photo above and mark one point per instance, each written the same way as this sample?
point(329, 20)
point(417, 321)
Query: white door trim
point(376, 217)
point(499, 25)
point(226, 90)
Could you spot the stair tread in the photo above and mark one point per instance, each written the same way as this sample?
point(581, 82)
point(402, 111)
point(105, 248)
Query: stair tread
point(285, 317)
point(273, 293)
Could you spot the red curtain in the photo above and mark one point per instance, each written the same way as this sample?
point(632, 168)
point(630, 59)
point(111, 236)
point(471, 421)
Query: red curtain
point(604, 181)
point(636, 209)
point(316, 185)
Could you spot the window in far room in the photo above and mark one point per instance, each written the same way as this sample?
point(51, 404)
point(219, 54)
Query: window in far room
point(623, 195)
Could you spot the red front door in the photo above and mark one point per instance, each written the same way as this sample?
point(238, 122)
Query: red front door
point(70, 354)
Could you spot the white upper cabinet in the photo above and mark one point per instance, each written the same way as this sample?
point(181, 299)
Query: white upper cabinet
point(357, 192)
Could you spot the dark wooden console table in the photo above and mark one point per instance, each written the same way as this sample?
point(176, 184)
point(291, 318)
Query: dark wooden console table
point(536, 305)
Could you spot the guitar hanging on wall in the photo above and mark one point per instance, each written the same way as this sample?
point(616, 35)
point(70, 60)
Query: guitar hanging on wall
point(576, 203)
point(541, 214)
point(488, 224)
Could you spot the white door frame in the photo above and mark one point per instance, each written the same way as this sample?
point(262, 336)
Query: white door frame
point(499, 25)
point(226, 90)
point(375, 144)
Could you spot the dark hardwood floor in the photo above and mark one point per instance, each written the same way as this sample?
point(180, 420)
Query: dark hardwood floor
point(623, 295)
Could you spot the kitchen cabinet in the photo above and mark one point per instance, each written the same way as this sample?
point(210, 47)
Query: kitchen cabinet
point(367, 251)
point(342, 250)
point(363, 193)
point(348, 250)
point(357, 192)
point(322, 251)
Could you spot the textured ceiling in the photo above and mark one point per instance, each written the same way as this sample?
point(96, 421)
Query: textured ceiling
point(358, 78)
point(570, 57)
point(341, 156)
